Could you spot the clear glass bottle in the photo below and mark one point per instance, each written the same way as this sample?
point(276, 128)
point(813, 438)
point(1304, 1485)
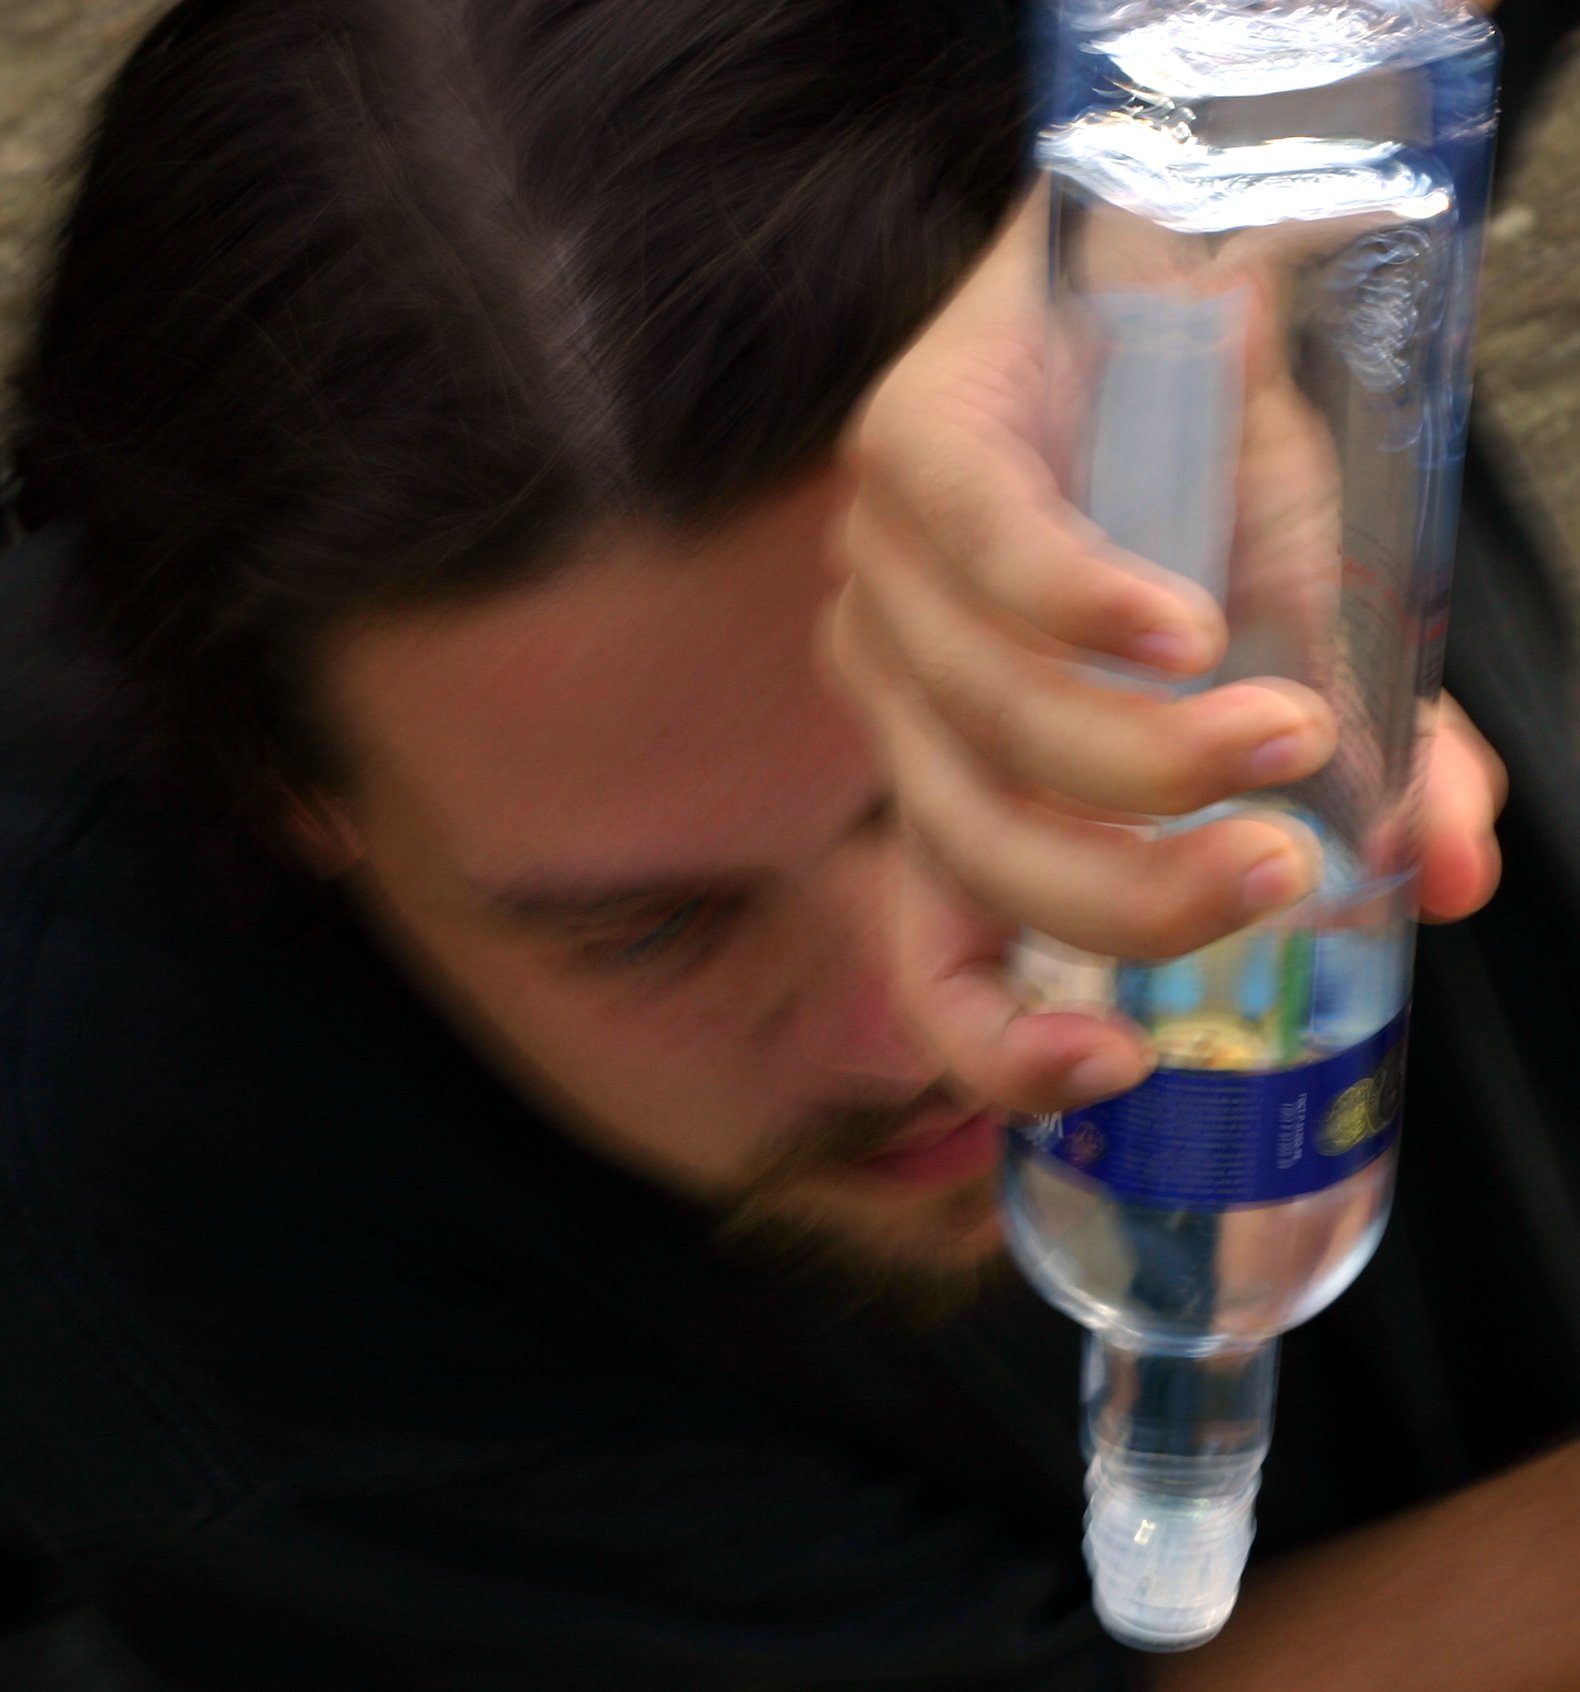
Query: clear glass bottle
point(1266, 233)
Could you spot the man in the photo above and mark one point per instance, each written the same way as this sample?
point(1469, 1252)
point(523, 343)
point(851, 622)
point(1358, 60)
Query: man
point(508, 1234)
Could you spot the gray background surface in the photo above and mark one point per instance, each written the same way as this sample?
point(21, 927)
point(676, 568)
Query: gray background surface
point(54, 55)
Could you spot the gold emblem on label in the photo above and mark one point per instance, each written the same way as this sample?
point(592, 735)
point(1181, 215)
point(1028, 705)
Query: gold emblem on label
point(1365, 1109)
point(1351, 1118)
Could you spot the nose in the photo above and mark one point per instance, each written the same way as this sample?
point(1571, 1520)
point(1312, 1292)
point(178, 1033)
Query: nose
point(846, 1019)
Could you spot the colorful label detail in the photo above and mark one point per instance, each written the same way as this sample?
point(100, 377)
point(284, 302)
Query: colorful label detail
point(1208, 1139)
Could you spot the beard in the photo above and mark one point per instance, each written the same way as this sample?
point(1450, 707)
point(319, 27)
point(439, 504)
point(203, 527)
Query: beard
point(917, 1280)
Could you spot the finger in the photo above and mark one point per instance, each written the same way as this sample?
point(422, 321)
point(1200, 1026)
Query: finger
point(948, 454)
point(858, 664)
point(951, 975)
point(995, 525)
point(1464, 790)
point(1112, 891)
point(1042, 725)
point(1082, 599)
point(1452, 722)
point(863, 683)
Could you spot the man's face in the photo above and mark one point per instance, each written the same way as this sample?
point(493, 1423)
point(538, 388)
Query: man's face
point(641, 853)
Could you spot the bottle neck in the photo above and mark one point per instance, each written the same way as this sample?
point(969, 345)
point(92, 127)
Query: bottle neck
point(1191, 1426)
point(1176, 1447)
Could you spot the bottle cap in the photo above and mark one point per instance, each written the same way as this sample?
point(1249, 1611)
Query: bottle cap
point(1166, 1570)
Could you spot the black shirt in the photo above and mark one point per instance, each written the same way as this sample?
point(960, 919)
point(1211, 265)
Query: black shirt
point(331, 1364)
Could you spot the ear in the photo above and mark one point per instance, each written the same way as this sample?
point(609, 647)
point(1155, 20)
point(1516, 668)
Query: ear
point(323, 835)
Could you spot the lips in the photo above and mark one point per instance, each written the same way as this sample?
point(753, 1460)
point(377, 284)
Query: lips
point(938, 1153)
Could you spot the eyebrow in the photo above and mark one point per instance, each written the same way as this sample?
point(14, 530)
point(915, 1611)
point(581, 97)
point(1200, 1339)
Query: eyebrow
point(573, 901)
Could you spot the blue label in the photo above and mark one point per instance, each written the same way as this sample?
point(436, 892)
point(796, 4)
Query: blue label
point(1208, 1139)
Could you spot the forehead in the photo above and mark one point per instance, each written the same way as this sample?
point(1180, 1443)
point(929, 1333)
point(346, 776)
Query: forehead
point(655, 694)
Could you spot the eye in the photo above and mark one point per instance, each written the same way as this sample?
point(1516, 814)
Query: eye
point(678, 939)
point(662, 935)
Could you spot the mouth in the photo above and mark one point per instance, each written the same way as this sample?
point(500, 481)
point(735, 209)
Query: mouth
point(937, 1152)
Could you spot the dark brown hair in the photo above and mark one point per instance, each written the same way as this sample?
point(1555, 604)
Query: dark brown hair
point(367, 301)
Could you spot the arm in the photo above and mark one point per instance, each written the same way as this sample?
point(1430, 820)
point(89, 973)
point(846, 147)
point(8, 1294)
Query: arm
point(1472, 1593)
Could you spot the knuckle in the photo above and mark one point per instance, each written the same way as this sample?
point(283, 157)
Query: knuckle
point(1048, 598)
point(860, 542)
point(1075, 601)
point(1494, 772)
point(1040, 584)
point(941, 841)
point(990, 722)
point(1179, 775)
point(936, 686)
point(1111, 603)
point(1170, 916)
point(845, 540)
point(846, 646)
point(1176, 789)
point(866, 443)
point(981, 712)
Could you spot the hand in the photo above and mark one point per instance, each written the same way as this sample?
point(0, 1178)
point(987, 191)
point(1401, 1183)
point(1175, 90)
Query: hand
point(971, 582)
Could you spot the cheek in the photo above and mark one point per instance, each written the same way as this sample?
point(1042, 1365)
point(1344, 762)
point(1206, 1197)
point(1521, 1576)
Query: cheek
point(693, 1081)
point(687, 1077)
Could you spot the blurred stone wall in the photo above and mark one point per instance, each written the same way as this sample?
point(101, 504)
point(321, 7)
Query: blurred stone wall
point(1529, 364)
point(54, 57)
point(55, 54)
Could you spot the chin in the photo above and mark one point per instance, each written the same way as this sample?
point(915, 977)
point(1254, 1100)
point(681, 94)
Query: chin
point(915, 1264)
point(962, 1226)
point(970, 1236)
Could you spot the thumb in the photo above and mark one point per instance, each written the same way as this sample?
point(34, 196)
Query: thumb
point(951, 963)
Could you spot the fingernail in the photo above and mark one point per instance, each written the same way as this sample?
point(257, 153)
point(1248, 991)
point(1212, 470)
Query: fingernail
point(1284, 755)
point(1171, 648)
point(1278, 880)
point(1103, 1074)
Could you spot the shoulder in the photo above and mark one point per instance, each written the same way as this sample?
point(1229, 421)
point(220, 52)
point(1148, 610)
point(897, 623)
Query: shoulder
point(245, 1177)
